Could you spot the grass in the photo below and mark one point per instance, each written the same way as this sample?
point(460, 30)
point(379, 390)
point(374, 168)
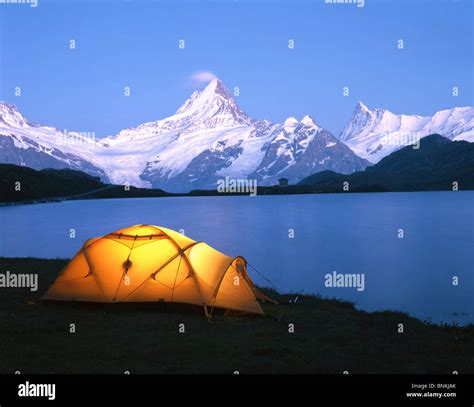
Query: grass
point(330, 336)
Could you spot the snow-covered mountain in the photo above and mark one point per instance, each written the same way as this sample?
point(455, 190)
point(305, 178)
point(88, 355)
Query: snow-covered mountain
point(39, 147)
point(301, 148)
point(374, 134)
point(210, 138)
point(207, 139)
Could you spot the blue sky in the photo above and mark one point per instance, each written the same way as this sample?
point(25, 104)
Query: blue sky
point(245, 43)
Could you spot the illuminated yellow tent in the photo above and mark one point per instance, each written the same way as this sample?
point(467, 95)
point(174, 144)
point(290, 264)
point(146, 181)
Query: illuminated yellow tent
point(151, 263)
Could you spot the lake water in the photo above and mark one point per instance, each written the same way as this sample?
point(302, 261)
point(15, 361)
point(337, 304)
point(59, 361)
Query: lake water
point(346, 233)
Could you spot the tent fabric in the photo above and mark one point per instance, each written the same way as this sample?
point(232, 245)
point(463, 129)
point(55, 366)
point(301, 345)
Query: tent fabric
point(150, 263)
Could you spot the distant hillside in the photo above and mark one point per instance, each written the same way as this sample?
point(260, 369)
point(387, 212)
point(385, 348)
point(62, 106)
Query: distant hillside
point(60, 184)
point(434, 166)
point(41, 184)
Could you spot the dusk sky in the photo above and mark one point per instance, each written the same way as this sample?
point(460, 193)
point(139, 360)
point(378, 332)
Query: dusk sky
point(244, 43)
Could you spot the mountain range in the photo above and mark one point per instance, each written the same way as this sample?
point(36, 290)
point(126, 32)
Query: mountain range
point(374, 134)
point(439, 164)
point(210, 138)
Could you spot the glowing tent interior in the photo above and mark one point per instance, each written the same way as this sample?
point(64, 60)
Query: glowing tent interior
point(150, 263)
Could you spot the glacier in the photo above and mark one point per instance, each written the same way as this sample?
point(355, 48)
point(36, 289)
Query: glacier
point(374, 134)
point(210, 138)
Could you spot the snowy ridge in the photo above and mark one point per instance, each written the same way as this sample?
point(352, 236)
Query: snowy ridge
point(210, 137)
point(209, 120)
point(301, 148)
point(374, 134)
point(39, 147)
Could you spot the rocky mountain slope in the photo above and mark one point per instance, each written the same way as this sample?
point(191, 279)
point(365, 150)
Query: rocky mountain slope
point(374, 134)
point(207, 139)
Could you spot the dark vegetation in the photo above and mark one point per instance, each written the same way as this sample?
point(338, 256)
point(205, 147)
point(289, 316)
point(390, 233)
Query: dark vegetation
point(56, 185)
point(330, 336)
point(434, 166)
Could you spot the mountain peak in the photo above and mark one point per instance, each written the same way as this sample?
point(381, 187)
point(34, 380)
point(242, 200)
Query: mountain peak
point(6, 108)
point(217, 86)
point(308, 121)
point(290, 122)
point(10, 115)
point(214, 103)
point(216, 89)
point(361, 107)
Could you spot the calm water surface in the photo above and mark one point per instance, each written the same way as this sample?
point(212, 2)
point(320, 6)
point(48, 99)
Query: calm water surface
point(353, 233)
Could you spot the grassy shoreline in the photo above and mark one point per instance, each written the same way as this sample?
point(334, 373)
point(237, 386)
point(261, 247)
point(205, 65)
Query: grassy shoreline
point(330, 336)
